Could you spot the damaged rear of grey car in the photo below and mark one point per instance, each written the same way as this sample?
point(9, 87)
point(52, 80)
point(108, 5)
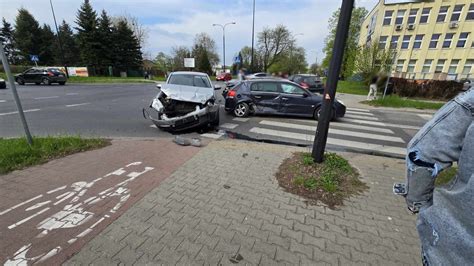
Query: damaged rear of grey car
point(185, 101)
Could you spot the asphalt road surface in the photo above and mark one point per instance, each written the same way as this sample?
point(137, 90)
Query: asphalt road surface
point(115, 110)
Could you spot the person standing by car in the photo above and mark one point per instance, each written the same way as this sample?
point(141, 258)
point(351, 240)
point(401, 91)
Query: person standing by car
point(372, 88)
point(446, 220)
point(241, 74)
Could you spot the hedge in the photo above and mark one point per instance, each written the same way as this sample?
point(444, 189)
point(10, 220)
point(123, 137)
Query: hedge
point(430, 89)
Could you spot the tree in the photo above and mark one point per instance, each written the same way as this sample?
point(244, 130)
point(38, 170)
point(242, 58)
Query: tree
point(272, 43)
point(178, 55)
point(163, 62)
point(350, 51)
point(49, 52)
point(69, 42)
point(8, 40)
point(372, 61)
point(105, 32)
point(202, 61)
point(27, 35)
point(139, 30)
point(291, 62)
point(204, 41)
point(128, 55)
point(87, 35)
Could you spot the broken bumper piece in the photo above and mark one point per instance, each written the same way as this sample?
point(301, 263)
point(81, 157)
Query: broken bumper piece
point(194, 119)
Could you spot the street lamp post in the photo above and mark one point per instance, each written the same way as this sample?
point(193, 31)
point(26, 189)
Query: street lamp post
point(59, 39)
point(253, 36)
point(223, 40)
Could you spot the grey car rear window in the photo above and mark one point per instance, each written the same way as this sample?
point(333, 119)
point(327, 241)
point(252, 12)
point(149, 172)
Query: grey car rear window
point(265, 87)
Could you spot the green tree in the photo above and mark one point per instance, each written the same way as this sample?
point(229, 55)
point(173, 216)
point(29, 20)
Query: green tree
point(163, 62)
point(27, 35)
point(273, 44)
point(178, 55)
point(204, 41)
point(128, 55)
point(351, 49)
point(372, 61)
point(291, 62)
point(201, 58)
point(7, 39)
point(87, 35)
point(69, 43)
point(105, 33)
point(49, 52)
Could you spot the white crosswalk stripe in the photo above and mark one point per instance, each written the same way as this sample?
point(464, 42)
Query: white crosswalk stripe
point(358, 110)
point(361, 117)
point(359, 113)
point(228, 125)
point(347, 125)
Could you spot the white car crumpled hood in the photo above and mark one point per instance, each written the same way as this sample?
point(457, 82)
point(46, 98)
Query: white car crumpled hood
point(187, 93)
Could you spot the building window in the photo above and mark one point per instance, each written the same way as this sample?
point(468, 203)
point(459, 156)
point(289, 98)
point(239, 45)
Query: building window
point(440, 65)
point(412, 16)
point(443, 11)
point(447, 40)
point(383, 42)
point(467, 67)
point(394, 42)
point(434, 40)
point(406, 41)
point(399, 67)
point(400, 15)
point(470, 13)
point(427, 66)
point(425, 14)
point(456, 12)
point(387, 19)
point(462, 39)
point(411, 66)
point(453, 67)
point(418, 41)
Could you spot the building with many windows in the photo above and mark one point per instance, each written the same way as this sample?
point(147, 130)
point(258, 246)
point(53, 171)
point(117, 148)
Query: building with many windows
point(431, 39)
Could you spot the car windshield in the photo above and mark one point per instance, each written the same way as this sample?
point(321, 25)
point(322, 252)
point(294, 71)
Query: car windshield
point(190, 80)
point(55, 70)
point(311, 80)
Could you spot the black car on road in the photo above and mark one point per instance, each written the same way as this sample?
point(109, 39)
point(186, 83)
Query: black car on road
point(3, 84)
point(44, 75)
point(308, 81)
point(276, 97)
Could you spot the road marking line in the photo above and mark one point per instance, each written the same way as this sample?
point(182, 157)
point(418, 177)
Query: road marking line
point(347, 125)
point(240, 119)
point(229, 125)
point(20, 204)
point(332, 141)
point(362, 117)
point(359, 113)
point(335, 131)
point(56, 189)
point(73, 93)
point(358, 110)
point(27, 219)
point(24, 111)
point(2, 101)
point(211, 135)
point(425, 116)
point(49, 97)
point(37, 205)
point(78, 104)
point(379, 124)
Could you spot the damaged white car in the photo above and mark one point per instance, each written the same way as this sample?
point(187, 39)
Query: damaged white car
point(185, 101)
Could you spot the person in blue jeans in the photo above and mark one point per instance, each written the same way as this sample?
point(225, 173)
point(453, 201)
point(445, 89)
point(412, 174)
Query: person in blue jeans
point(446, 215)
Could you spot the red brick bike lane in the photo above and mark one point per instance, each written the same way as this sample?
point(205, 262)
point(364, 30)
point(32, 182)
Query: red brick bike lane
point(48, 212)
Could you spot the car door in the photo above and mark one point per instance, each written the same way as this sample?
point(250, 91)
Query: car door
point(295, 100)
point(29, 75)
point(266, 96)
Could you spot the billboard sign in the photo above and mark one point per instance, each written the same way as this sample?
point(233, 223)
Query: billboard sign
point(189, 62)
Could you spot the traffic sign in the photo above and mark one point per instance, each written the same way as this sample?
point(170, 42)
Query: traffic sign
point(34, 58)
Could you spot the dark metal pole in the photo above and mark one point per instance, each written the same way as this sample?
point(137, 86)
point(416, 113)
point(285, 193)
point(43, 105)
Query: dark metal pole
point(59, 39)
point(320, 139)
point(253, 36)
point(223, 44)
point(6, 67)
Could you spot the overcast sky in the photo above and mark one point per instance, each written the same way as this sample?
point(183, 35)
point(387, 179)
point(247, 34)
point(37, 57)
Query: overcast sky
point(175, 22)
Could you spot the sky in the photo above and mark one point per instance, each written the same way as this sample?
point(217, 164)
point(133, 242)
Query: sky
point(175, 23)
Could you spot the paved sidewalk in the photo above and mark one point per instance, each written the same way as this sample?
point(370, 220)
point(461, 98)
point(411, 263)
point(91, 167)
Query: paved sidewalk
point(225, 204)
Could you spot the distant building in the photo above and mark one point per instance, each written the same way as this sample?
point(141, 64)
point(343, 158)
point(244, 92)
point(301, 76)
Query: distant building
point(431, 39)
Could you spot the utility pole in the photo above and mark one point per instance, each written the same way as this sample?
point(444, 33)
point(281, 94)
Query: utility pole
point(253, 36)
point(320, 139)
point(59, 39)
point(6, 67)
point(223, 40)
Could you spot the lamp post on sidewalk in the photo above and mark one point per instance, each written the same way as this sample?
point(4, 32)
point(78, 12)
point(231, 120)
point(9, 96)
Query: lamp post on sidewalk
point(59, 39)
point(223, 40)
point(253, 36)
point(320, 139)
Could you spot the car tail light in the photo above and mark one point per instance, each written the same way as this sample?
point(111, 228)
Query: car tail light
point(231, 94)
point(304, 85)
point(51, 74)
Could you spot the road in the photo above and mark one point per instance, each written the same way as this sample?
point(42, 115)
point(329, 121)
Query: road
point(114, 110)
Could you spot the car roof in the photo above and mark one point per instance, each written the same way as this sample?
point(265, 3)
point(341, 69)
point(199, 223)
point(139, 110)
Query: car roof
point(306, 75)
point(188, 73)
point(268, 79)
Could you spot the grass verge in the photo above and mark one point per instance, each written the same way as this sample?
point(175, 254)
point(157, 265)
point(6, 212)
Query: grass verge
point(330, 182)
point(108, 80)
point(398, 102)
point(446, 176)
point(352, 87)
point(16, 154)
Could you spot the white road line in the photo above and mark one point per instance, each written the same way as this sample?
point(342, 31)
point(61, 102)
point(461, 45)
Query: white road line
point(73, 93)
point(56, 189)
point(357, 121)
point(24, 111)
point(78, 104)
point(20, 204)
point(211, 136)
point(362, 117)
point(27, 219)
point(425, 116)
point(229, 125)
point(332, 141)
point(334, 131)
point(240, 119)
point(153, 126)
point(358, 110)
point(359, 113)
point(49, 97)
point(2, 101)
point(352, 126)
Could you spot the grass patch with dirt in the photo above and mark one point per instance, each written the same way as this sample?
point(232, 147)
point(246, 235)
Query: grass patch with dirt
point(16, 154)
point(330, 182)
point(352, 87)
point(446, 176)
point(108, 80)
point(399, 102)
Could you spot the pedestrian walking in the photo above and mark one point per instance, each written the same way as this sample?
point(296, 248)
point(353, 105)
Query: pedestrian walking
point(372, 88)
point(241, 74)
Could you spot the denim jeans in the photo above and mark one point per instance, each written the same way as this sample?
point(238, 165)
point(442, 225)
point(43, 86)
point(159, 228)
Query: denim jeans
point(446, 216)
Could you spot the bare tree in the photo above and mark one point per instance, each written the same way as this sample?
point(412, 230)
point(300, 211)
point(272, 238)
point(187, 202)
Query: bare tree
point(140, 30)
point(204, 41)
point(273, 43)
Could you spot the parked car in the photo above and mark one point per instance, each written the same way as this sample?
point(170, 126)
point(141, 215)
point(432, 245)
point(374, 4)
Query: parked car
point(308, 81)
point(224, 77)
point(45, 75)
point(185, 101)
point(276, 97)
point(257, 75)
point(3, 84)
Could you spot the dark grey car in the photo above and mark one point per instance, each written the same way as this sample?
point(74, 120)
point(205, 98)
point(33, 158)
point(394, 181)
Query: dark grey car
point(42, 75)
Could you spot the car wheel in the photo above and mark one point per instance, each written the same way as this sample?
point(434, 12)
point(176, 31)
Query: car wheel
point(62, 83)
point(20, 81)
point(37, 83)
point(241, 110)
point(46, 81)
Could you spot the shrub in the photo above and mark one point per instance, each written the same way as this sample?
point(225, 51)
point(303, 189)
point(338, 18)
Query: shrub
point(430, 89)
